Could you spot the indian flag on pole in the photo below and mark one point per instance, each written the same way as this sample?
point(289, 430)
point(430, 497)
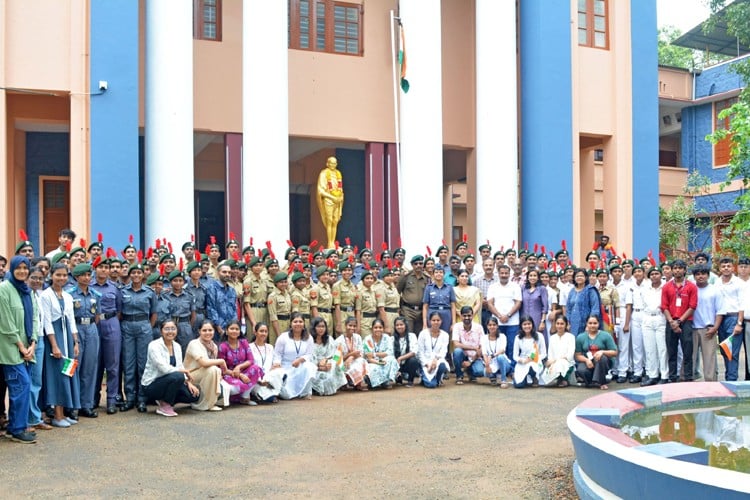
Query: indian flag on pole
point(69, 366)
point(402, 59)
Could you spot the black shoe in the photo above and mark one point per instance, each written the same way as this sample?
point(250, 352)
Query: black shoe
point(127, 406)
point(142, 408)
point(673, 380)
point(24, 437)
point(649, 381)
point(635, 379)
point(88, 413)
point(111, 409)
point(663, 381)
point(72, 414)
point(621, 380)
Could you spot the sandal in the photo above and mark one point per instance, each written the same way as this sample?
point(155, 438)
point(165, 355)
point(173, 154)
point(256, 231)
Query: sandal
point(503, 385)
point(563, 383)
point(459, 381)
point(361, 388)
point(604, 387)
point(493, 381)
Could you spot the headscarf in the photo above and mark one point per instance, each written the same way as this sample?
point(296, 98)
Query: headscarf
point(24, 293)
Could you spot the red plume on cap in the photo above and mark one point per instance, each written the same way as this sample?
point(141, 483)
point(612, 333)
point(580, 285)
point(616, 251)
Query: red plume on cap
point(289, 242)
point(624, 255)
point(651, 258)
point(502, 247)
point(544, 265)
point(356, 249)
point(299, 251)
point(554, 266)
point(123, 253)
point(192, 238)
point(273, 255)
point(564, 245)
point(299, 267)
point(231, 235)
point(169, 245)
point(336, 244)
point(536, 247)
point(367, 245)
point(140, 255)
point(212, 239)
point(268, 245)
point(367, 265)
point(111, 253)
point(347, 241)
point(161, 270)
point(612, 249)
point(99, 237)
point(164, 239)
point(329, 262)
point(180, 264)
point(309, 257)
point(601, 264)
point(82, 243)
point(465, 238)
point(662, 257)
point(130, 239)
point(488, 242)
point(207, 250)
point(68, 246)
point(198, 256)
point(544, 250)
point(592, 265)
point(389, 262)
point(313, 243)
point(236, 256)
point(552, 255)
point(251, 241)
point(97, 261)
point(595, 245)
point(247, 259)
point(513, 245)
point(149, 253)
point(526, 246)
point(443, 240)
point(320, 248)
point(157, 243)
point(429, 251)
point(384, 246)
point(351, 258)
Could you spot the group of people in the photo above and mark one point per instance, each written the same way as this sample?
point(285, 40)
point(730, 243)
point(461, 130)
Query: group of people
point(223, 327)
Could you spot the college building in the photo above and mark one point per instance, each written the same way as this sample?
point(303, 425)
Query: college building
point(529, 121)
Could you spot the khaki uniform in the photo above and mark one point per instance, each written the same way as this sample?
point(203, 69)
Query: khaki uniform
point(213, 271)
point(367, 304)
point(411, 289)
point(301, 303)
point(322, 299)
point(610, 299)
point(279, 309)
point(344, 296)
point(256, 294)
point(391, 301)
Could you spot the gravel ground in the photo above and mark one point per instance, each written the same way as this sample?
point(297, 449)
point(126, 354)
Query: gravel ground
point(470, 441)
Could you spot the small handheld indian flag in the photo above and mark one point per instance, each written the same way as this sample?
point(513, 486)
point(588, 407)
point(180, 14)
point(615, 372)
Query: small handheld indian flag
point(369, 345)
point(726, 347)
point(338, 359)
point(69, 366)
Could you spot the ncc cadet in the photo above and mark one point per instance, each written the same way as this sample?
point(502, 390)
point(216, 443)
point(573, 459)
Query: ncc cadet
point(130, 253)
point(391, 297)
point(169, 263)
point(321, 299)
point(399, 258)
point(232, 246)
point(439, 297)
point(96, 249)
point(213, 250)
point(197, 288)
point(442, 255)
point(485, 251)
point(462, 249)
point(411, 287)
point(87, 310)
point(365, 255)
point(156, 281)
point(188, 250)
point(344, 295)
point(25, 247)
point(181, 308)
point(279, 307)
point(369, 304)
point(138, 319)
point(272, 268)
point(255, 294)
point(301, 297)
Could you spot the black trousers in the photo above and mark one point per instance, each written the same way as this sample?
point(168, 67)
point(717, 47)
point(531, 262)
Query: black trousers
point(595, 375)
point(410, 369)
point(685, 339)
point(170, 388)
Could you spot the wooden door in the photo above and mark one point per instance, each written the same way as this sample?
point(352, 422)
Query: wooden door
point(55, 198)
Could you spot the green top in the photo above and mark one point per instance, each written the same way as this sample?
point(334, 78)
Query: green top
point(11, 324)
point(603, 341)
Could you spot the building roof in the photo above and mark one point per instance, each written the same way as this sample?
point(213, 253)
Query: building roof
point(718, 41)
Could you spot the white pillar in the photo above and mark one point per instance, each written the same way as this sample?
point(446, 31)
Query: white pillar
point(265, 123)
point(168, 204)
point(497, 123)
point(421, 169)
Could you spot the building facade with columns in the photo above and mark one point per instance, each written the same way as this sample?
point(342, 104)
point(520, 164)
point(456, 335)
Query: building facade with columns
point(527, 121)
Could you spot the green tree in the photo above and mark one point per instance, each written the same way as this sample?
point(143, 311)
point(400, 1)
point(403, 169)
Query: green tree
point(737, 233)
point(672, 55)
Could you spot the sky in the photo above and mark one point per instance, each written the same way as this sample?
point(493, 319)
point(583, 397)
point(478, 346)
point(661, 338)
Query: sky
point(684, 14)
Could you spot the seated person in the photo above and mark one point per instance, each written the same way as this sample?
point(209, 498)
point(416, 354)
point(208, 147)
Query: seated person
point(560, 362)
point(466, 337)
point(528, 352)
point(594, 348)
point(242, 373)
point(382, 366)
point(494, 358)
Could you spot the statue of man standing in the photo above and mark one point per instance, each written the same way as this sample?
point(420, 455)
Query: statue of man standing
point(330, 198)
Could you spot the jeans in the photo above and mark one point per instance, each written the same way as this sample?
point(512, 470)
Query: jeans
point(523, 383)
point(503, 364)
point(35, 413)
point(18, 379)
point(431, 384)
point(511, 332)
point(475, 370)
point(726, 330)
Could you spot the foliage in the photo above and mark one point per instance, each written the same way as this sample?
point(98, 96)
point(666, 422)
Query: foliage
point(683, 227)
point(672, 55)
point(736, 236)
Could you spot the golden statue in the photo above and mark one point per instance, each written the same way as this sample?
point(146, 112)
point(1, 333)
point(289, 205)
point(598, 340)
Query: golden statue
point(330, 198)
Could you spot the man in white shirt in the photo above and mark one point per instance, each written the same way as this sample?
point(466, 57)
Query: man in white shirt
point(484, 283)
point(631, 355)
point(743, 273)
point(731, 289)
point(504, 302)
point(64, 237)
point(706, 320)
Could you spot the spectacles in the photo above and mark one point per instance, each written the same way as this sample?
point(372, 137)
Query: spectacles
point(170, 329)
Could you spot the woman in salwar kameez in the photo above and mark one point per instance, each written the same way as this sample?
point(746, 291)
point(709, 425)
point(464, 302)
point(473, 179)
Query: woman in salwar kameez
point(242, 373)
point(203, 362)
point(352, 347)
point(327, 356)
point(269, 386)
point(382, 366)
point(560, 363)
point(292, 353)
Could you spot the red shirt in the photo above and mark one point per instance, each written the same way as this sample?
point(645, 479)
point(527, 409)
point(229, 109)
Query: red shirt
point(686, 295)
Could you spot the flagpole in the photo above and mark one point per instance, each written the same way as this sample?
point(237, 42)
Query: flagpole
point(394, 60)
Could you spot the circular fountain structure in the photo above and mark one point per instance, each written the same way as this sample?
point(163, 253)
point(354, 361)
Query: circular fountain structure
point(666, 441)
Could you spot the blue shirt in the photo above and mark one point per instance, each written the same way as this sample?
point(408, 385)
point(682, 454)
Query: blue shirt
point(221, 303)
point(110, 297)
point(435, 296)
point(85, 305)
point(142, 301)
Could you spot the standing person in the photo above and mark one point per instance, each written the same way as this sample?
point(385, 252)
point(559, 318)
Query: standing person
point(36, 420)
point(255, 294)
point(221, 298)
point(706, 320)
point(432, 349)
point(87, 311)
point(344, 296)
point(62, 390)
point(64, 238)
point(195, 287)
point(484, 282)
point(679, 299)
point(504, 302)
point(321, 298)
point(138, 319)
point(534, 301)
point(743, 272)
point(732, 290)
point(610, 299)
point(391, 297)
point(467, 295)
point(279, 307)
point(19, 332)
point(466, 337)
point(411, 286)
point(110, 336)
point(440, 298)
point(653, 326)
point(582, 302)
point(181, 307)
point(369, 304)
point(300, 297)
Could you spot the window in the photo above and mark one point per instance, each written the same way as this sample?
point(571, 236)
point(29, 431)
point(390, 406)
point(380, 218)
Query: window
point(723, 148)
point(207, 20)
point(592, 23)
point(325, 26)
